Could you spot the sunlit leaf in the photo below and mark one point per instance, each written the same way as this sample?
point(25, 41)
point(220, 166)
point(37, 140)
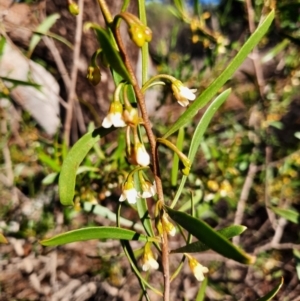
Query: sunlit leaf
point(111, 53)
point(93, 233)
point(107, 213)
point(269, 296)
point(289, 214)
point(3, 239)
point(42, 29)
point(207, 235)
point(213, 89)
point(198, 135)
point(72, 161)
point(50, 178)
point(199, 246)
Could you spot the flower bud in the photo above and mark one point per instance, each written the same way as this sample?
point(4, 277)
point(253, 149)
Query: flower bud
point(73, 8)
point(94, 75)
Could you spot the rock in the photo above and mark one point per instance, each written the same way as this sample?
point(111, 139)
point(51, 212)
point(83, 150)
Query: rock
point(42, 103)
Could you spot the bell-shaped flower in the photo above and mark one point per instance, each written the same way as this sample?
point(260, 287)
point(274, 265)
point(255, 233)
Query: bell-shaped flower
point(114, 116)
point(148, 189)
point(148, 259)
point(168, 226)
point(183, 94)
point(129, 193)
point(198, 269)
point(141, 156)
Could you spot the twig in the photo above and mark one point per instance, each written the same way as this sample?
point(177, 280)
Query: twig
point(271, 214)
point(283, 246)
point(156, 172)
point(67, 81)
point(74, 72)
point(243, 198)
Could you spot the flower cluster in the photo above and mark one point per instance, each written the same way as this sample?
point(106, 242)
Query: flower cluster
point(130, 193)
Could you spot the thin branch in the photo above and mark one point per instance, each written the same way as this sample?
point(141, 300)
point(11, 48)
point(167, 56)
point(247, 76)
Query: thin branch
point(283, 246)
point(243, 198)
point(155, 169)
point(66, 78)
point(74, 72)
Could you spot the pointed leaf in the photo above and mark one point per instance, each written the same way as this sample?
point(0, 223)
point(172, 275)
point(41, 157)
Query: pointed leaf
point(42, 29)
point(209, 93)
point(198, 246)
point(72, 161)
point(3, 239)
point(209, 236)
point(93, 233)
point(17, 82)
point(269, 296)
point(112, 55)
point(289, 214)
point(198, 135)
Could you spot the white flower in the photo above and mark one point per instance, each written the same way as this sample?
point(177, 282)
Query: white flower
point(129, 193)
point(149, 190)
point(183, 94)
point(150, 263)
point(115, 116)
point(113, 119)
point(148, 259)
point(197, 268)
point(141, 155)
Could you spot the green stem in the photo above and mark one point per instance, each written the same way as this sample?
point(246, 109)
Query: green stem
point(105, 11)
point(145, 47)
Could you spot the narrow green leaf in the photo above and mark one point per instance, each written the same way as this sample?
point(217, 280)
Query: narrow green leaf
point(175, 165)
point(50, 178)
point(82, 169)
point(107, 213)
point(17, 82)
point(289, 214)
point(46, 159)
point(209, 93)
point(93, 233)
point(42, 28)
point(111, 53)
point(199, 246)
point(72, 161)
point(56, 37)
point(269, 296)
point(201, 293)
point(198, 135)
point(209, 236)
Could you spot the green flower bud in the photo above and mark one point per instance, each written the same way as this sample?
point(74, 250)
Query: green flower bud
point(73, 9)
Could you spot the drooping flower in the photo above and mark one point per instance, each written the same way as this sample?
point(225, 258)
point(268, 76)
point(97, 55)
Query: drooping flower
point(197, 268)
point(141, 155)
point(148, 189)
point(183, 94)
point(129, 192)
point(114, 116)
point(148, 259)
point(168, 226)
